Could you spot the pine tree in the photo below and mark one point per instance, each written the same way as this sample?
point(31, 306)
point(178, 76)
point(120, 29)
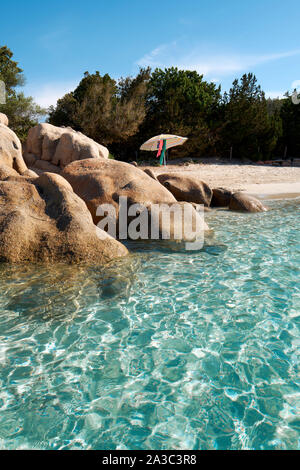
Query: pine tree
point(248, 127)
point(290, 114)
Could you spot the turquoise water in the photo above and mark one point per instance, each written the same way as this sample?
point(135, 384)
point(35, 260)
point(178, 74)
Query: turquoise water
point(165, 350)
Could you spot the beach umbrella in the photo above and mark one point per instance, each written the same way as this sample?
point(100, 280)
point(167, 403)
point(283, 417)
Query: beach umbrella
point(161, 143)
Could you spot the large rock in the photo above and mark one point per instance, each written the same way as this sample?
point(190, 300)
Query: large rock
point(30, 159)
point(8, 172)
point(74, 146)
point(221, 197)
point(105, 181)
point(60, 145)
point(244, 202)
point(186, 188)
point(51, 139)
point(43, 220)
point(3, 119)
point(46, 166)
point(11, 151)
point(35, 139)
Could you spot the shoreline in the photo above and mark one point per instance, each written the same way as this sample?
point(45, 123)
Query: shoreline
point(263, 182)
point(274, 190)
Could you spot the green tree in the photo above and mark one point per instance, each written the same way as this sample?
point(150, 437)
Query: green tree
point(248, 127)
point(122, 114)
point(181, 102)
point(290, 114)
point(10, 73)
point(63, 114)
point(22, 112)
point(106, 110)
point(274, 104)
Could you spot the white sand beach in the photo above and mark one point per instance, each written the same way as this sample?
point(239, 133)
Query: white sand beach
point(262, 181)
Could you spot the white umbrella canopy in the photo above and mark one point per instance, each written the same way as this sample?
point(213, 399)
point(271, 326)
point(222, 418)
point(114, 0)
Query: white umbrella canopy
point(171, 141)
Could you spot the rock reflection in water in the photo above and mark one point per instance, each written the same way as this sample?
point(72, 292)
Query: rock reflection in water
point(61, 291)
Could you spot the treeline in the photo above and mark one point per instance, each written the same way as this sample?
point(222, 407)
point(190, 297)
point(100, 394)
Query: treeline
point(123, 114)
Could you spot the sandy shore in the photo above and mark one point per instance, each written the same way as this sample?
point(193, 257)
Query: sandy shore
point(262, 181)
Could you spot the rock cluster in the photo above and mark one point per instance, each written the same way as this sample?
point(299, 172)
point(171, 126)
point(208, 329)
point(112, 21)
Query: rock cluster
point(48, 147)
point(51, 214)
point(42, 219)
point(105, 181)
point(236, 201)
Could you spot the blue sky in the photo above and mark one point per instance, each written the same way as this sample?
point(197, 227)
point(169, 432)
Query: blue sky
point(55, 42)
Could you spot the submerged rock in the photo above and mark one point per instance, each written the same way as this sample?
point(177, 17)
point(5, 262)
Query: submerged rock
point(236, 201)
point(43, 220)
point(244, 202)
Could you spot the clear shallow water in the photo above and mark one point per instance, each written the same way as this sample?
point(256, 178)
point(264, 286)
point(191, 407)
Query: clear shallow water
point(166, 350)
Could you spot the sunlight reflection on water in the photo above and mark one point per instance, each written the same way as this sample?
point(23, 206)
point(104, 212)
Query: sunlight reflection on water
point(164, 350)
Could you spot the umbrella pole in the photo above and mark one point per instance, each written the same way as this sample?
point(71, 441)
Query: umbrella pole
point(163, 154)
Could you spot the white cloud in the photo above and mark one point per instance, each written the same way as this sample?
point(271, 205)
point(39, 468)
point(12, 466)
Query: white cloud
point(48, 93)
point(207, 63)
point(155, 57)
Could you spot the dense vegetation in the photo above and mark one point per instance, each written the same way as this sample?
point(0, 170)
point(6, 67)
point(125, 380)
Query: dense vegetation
point(122, 114)
point(241, 123)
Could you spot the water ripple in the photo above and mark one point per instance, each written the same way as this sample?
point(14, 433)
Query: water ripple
point(163, 350)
